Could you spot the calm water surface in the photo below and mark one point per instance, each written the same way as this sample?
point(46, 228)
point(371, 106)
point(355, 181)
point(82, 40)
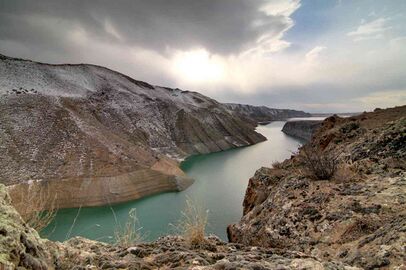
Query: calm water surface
point(220, 183)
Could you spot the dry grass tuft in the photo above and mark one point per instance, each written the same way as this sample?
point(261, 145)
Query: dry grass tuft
point(345, 173)
point(129, 233)
point(358, 228)
point(192, 224)
point(319, 164)
point(37, 206)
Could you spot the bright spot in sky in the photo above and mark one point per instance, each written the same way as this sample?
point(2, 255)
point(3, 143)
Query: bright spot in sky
point(198, 66)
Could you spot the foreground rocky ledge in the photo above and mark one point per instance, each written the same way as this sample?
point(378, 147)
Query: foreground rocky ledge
point(22, 248)
point(358, 217)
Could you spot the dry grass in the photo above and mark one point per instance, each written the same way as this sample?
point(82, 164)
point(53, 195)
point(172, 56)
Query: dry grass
point(68, 235)
point(129, 233)
point(358, 228)
point(320, 165)
point(345, 173)
point(192, 224)
point(37, 206)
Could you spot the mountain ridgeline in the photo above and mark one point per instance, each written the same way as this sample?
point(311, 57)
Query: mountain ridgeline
point(102, 135)
point(263, 114)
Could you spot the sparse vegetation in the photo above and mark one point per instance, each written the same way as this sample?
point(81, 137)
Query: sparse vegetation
point(358, 228)
point(37, 206)
point(277, 165)
point(345, 173)
point(129, 233)
point(320, 165)
point(192, 224)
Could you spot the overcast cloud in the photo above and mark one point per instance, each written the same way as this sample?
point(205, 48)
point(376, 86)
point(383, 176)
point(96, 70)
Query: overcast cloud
point(312, 55)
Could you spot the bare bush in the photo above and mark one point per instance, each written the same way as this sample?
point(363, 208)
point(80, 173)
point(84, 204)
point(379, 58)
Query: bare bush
point(321, 165)
point(277, 165)
point(129, 233)
point(192, 224)
point(37, 206)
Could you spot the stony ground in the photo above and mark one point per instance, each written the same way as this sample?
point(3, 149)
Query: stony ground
point(358, 217)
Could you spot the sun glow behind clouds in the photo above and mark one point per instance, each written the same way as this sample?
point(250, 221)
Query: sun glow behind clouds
point(198, 66)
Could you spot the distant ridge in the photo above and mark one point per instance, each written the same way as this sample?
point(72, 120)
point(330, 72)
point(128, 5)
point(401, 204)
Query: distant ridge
point(263, 114)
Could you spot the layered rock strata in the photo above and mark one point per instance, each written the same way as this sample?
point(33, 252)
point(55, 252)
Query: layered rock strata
point(302, 129)
point(357, 217)
point(94, 136)
point(263, 114)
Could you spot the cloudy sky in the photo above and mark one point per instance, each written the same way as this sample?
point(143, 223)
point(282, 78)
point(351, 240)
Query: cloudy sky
point(315, 55)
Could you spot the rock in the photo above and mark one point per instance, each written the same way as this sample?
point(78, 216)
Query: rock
point(262, 114)
point(360, 222)
point(302, 129)
point(22, 248)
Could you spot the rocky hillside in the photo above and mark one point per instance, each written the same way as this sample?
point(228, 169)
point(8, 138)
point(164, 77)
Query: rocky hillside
point(357, 217)
point(102, 135)
point(22, 248)
point(302, 129)
point(263, 114)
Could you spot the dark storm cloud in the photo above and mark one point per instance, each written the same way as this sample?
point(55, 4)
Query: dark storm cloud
point(220, 26)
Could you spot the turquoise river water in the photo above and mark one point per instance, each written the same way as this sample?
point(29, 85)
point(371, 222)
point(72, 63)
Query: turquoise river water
point(220, 183)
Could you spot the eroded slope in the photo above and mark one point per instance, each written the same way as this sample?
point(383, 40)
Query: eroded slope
point(358, 217)
point(102, 136)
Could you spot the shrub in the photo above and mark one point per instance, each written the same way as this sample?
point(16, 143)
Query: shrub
point(277, 165)
point(192, 224)
point(36, 206)
point(321, 165)
point(350, 126)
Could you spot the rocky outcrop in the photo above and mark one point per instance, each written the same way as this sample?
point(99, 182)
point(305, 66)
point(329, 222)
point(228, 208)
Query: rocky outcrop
point(101, 135)
point(22, 248)
point(262, 114)
point(302, 129)
point(20, 245)
point(358, 217)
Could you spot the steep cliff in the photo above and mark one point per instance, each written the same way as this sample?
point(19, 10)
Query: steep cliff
point(102, 136)
point(303, 129)
point(357, 217)
point(263, 114)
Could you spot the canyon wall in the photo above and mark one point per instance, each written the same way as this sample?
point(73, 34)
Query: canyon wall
point(262, 114)
point(357, 217)
point(302, 129)
point(93, 135)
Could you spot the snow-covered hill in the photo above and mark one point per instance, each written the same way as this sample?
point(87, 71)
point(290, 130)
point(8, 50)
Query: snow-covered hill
point(88, 126)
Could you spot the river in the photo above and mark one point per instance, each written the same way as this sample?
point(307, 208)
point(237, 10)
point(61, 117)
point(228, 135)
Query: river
point(220, 183)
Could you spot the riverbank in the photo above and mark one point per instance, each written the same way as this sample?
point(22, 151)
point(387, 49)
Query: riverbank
point(164, 176)
point(355, 215)
point(92, 136)
point(220, 184)
point(22, 248)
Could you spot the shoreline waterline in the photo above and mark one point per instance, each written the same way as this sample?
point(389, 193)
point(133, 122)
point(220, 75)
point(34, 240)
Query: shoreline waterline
point(221, 179)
